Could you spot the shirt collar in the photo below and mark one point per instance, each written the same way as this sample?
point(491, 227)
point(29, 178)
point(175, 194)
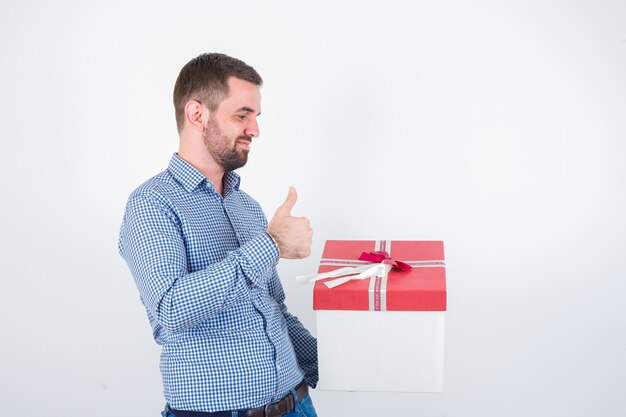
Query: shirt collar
point(231, 182)
point(191, 178)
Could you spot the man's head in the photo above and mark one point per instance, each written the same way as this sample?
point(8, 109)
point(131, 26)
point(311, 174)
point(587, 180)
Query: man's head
point(205, 79)
point(217, 102)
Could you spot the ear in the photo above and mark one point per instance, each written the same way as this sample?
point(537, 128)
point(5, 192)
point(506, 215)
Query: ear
point(196, 115)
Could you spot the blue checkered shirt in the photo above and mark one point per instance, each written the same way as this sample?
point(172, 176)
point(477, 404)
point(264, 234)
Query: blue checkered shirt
point(205, 269)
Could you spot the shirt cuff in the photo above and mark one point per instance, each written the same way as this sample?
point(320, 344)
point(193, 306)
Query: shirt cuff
point(275, 244)
point(275, 251)
point(259, 256)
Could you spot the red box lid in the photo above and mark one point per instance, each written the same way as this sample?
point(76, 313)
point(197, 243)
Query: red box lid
point(423, 288)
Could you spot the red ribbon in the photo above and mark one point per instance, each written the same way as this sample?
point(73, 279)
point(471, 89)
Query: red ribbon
point(382, 256)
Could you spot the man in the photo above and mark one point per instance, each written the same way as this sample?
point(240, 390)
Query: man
point(203, 257)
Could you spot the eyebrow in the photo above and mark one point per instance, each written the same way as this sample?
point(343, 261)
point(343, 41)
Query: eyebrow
point(248, 110)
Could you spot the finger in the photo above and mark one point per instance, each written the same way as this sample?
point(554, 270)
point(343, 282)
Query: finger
point(290, 201)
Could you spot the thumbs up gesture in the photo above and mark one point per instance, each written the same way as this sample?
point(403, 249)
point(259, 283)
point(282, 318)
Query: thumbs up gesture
point(292, 234)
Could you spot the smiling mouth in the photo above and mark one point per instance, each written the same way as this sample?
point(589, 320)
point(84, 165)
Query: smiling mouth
point(245, 144)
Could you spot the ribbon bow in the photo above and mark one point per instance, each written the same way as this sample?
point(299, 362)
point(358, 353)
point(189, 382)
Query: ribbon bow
point(381, 264)
point(381, 256)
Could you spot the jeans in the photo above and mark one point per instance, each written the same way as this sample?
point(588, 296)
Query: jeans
point(303, 409)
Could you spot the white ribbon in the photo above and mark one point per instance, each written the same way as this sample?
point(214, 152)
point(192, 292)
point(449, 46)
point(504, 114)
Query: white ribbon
point(369, 270)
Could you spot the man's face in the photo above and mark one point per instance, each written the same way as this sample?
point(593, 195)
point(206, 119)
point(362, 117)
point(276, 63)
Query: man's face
point(231, 127)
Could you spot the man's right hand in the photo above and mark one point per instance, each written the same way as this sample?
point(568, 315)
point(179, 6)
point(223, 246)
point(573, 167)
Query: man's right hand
point(292, 234)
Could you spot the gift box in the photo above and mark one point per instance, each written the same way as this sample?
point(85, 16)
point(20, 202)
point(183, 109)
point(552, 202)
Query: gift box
point(382, 329)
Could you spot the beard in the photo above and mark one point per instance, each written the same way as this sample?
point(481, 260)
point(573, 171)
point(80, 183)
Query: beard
point(219, 146)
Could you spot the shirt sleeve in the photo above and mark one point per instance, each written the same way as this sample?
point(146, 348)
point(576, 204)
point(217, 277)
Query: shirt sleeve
point(305, 345)
point(152, 243)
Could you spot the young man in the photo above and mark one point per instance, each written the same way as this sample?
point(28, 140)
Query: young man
point(203, 257)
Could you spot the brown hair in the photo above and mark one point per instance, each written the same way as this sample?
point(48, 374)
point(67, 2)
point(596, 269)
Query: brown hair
point(205, 79)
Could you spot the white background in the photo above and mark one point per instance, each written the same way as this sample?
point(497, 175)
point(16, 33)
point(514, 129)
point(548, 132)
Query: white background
point(496, 126)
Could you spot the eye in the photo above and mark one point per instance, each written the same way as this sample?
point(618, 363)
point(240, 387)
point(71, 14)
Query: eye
point(243, 116)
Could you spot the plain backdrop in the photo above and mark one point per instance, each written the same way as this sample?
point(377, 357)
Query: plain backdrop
point(495, 126)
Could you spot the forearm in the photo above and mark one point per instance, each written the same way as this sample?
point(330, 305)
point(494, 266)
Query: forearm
point(180, 300)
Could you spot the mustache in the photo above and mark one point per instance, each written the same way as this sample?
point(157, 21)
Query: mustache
point(245, 137)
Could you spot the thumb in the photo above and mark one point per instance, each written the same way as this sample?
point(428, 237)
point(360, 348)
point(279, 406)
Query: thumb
point(290, 201)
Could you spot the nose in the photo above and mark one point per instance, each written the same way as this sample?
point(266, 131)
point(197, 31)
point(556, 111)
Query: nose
point(252, 129)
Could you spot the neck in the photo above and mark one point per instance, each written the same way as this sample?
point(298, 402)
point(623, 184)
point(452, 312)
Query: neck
point(199, 158)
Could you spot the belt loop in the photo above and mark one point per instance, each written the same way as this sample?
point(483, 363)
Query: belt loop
point(291, 402)
point(294, 399)
point(295, 392)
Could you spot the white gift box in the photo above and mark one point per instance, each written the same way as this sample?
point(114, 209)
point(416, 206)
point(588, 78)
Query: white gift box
point(383, 331)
